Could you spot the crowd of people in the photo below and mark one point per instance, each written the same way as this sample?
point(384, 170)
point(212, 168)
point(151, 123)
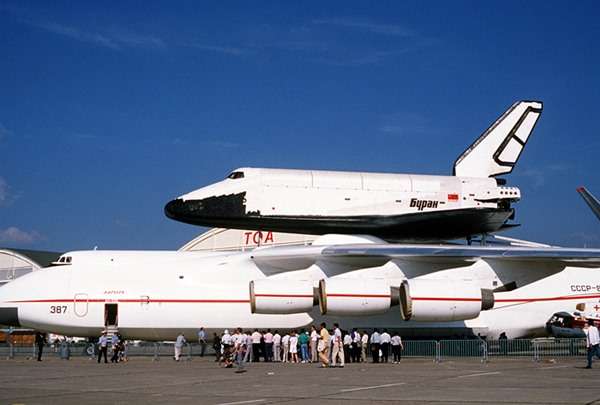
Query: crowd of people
point(331, 348)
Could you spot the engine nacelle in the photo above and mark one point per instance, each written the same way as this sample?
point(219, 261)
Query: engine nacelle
point(443, 300)
point(354, 296)
point(281, 296)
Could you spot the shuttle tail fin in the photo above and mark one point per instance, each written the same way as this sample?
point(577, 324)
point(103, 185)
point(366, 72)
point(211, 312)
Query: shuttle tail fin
point(497, 150)
point(590, 200)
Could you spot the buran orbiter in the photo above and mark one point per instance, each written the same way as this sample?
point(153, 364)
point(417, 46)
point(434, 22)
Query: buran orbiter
point(394, 207)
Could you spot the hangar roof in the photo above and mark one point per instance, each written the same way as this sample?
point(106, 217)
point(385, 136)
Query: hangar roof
point(41, 257)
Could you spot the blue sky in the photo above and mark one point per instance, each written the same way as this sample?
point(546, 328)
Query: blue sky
point(107, 112)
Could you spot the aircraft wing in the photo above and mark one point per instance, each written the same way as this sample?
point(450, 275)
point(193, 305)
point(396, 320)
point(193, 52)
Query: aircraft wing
point(356, 256)
point(590, 200)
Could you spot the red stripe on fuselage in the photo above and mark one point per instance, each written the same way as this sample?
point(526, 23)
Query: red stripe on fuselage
point(241, 301)
point(138, 300)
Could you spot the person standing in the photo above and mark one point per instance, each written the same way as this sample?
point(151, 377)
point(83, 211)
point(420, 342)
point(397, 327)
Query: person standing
point(40, 341)
point(338, 350)
point(303, 339)
point(103, 347)
point(217, 346)
point(314, 337)
point(249, 351)
point(385, 345)
point(268, 345)
point(348, 347)
point(364, 344)
point(356, 346)
point(276, 346)
point(294, 347)
point(115, 343)
point(397, 348)
point(323, 345)
point(285, 342)
point(256, 337)
point(179, 342)
point(592, 342)
point(240, 348)
point(202, 341)
point(227, 348)
point(375, 345)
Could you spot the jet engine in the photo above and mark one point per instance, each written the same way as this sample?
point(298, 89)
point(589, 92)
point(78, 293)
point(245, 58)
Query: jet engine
point(281, 296)
point(443, 300)
point(354, 296)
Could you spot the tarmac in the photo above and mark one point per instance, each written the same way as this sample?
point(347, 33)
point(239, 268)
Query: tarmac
point(201, 381)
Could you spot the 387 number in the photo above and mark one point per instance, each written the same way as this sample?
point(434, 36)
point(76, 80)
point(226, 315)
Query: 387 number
point(58, 309)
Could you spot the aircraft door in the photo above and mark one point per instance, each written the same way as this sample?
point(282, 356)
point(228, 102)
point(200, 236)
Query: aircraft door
point(80, 304)
point(111, 314)
point(145, 302)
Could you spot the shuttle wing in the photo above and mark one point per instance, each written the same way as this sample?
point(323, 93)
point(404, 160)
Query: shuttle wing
point(497, 150)
point(356, 256)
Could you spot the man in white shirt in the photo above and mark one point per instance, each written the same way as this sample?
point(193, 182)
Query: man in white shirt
point(202, 341)
point(314, 337)
point(397, 347)
point(338, 350)
point(103, 347)
point(285, 342)
point(276, 346)
point(268, 345)
point(364, 344)
point(355, 347)
point(179, 345)
point(375, 345)
point(385, 345)
point(256, 336)
point(592, 341)
point(248, 339)
point(348, 347)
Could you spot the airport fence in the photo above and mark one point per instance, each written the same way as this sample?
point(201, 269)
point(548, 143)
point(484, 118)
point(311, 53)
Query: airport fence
point(437, 351)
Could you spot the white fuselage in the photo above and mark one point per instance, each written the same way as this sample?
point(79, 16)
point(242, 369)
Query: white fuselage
point(285, 192)
point(160, 294)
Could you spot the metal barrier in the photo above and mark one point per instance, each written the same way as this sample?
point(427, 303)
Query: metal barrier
point(536, 349)
point(420, 348)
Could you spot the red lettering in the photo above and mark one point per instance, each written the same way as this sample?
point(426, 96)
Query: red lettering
point(257, 238)
point(247, 236)
point(269, 237)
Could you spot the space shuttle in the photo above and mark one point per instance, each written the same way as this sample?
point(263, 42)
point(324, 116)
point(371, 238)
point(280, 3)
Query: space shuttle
point(393, 207)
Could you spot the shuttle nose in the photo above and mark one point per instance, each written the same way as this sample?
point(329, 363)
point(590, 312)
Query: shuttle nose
point(209, 211)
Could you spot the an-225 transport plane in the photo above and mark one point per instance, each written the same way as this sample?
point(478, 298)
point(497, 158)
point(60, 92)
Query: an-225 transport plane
point(394, 207)
point(358, 281)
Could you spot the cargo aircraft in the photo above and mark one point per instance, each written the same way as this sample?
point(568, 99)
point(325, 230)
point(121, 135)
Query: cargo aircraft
point(393, 207)
point(358, 281)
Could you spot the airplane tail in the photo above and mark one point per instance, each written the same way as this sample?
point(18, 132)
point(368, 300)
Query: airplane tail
point(590, 200)
point(497, 150)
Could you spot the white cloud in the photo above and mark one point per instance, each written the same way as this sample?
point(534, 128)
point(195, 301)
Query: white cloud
point(366, 25)
point(114, 39)
point(13, 234)
point(227, 50)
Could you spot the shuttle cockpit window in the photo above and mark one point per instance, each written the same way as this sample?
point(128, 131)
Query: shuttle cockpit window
point(236, 175)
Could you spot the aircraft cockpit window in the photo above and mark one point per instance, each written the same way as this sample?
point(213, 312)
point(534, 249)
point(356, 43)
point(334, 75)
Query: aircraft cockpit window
point(236, 175)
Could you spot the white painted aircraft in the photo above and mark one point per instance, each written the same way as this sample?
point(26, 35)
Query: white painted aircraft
point(394, 207)
point(358, 281)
